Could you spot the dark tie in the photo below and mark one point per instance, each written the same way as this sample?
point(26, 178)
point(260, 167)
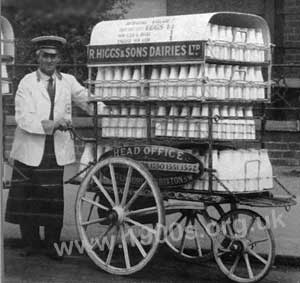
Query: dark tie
point(51, 91)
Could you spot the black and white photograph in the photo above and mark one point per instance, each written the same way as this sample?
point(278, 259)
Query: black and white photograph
point(150, 141)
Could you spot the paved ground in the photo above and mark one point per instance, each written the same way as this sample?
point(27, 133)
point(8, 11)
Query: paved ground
point(285, 225)
point(73, 269)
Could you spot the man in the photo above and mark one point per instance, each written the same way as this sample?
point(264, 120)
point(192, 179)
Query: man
point(42, 146)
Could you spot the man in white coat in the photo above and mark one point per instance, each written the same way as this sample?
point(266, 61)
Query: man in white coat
point(42, 146)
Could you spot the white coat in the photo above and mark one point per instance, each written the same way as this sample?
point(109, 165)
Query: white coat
point(32, 105)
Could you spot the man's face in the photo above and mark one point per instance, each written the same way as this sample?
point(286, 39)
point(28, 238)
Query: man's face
point(48, 62)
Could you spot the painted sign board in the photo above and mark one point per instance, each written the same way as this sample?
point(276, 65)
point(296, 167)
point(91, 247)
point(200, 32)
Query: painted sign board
point(170, 166)
point(146, 52)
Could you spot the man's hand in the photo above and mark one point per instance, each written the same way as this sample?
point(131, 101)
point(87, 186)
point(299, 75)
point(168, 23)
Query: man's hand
point(62, 124)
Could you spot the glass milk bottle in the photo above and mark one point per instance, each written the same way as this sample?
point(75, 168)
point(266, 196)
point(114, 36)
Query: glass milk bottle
point(224, 122)
point(194, 126)
point(182, 83)
point(249, 124)
point(141, 123)
point(215, 37)
point(260, 43)
point(260, 83)
point(113, 123)
point(99, 87)
point(204, 122)
point(223, 38)
point(108, 77)
point(125, 90)
point(221, 78)
point(182, 127)
point(132, 122)
point(232, 122)
point(251, 51)
point(135, 85)
point(172, 90)
point(153, 85)
point(105, 121)
point(191, 85)
point(164, 76)
point(123, 122)
point(161, 122)
point(172, 124)
point(239, 123)
point(117, 81)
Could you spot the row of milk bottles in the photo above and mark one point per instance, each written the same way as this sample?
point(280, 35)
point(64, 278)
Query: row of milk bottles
point(235, 43)
point(221, 82)
point(88, 157)
point(239, 170)
point(4, 74)
point(125, 122)
point(118, 82)
point(230, 122)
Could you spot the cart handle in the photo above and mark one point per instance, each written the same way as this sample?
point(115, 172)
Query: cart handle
point(74, 135)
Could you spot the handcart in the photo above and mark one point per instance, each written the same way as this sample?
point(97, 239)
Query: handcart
point(173, 115)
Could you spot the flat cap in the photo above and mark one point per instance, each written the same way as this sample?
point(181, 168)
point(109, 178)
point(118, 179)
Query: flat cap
point(50, 43)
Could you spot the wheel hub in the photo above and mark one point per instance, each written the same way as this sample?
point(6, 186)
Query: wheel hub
point(237, 246)
point(116, 215)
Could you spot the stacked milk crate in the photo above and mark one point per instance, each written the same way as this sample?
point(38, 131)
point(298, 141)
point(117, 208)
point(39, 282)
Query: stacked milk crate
point(238, 170)
point(231, 122)
point(124, 121)
point(207, 81)
point(118, 82)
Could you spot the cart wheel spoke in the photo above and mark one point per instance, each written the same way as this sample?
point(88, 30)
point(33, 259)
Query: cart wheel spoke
point(197, 242)
point(258, 242)
point(241, 247)
point(94, 221)
point(135, 195)
point(250, 225)
point(126, 187)
point(112, 247)
point(137, 243)
point(260, 258)
point(95, 203)
point(114, 184)
point(117, 214)
point(91, 209)
point(235, 264)
point(125, 247)
point(250, 272)
point(98, 241)
point(140, 225)
point(103, 190)
point(183, 239)
point(173, 225)
point(140, 212)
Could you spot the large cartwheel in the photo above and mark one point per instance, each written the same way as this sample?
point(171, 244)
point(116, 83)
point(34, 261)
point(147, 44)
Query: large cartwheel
point(112, 223)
